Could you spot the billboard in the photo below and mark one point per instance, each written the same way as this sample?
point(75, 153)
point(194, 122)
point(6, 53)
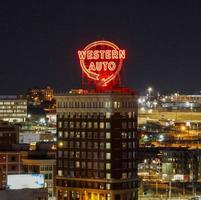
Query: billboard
point(21, 181)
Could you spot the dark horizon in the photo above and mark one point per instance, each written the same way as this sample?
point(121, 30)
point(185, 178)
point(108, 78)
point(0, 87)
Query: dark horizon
point(39, 42)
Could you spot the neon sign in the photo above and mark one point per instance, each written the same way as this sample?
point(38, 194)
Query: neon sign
point(101, 61)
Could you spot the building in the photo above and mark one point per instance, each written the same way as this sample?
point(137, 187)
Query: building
point(37, 96)
point(10, 163)
point(9, 135)
point(13, 108)
point(43, 166)
point(97, 142)
point(24, 194)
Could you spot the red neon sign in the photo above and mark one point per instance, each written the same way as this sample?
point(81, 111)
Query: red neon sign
point(101, 61)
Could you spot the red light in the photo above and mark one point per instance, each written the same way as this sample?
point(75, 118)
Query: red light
point(101, 61)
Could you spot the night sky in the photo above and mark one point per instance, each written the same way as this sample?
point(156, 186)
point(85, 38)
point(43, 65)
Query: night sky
point(39, 41)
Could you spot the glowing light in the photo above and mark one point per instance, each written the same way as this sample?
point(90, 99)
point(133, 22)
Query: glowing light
point(101, 61)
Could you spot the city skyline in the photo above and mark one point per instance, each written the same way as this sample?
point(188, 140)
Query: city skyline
point(39, 42)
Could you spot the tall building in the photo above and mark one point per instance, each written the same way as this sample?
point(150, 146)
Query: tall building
point(97, 140)
point(97, 131)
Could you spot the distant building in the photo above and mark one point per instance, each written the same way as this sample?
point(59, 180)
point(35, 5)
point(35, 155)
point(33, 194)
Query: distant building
point(37, 96)
point(9, 135)
point(13, 108)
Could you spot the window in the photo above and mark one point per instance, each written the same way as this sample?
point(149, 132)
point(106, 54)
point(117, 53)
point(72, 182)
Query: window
point(108, 186)
point(95, 165)
point(60, 172)
point(89, 135)
point(66, 134)
point(101, 155)
point(95, 134)
point(60, 134)
point(83, 134)
point(101, 165)
point(108, 145)
point(83, 145)
point(95, 124)
point(102, 145)
point(59, 154)
point(108, 135)
point(60, 124)
point(89, 125)
point(77, 154)
point(77, 134)
point(124, 125)
point(84, 124)
point(108, 115)
point(108, 156)
point(71, 125)
point(89, 155)
point(71, 134)
point(124, 175)
point(95, 145)
point(108, 176)
point(102, 135)
point(83, 154)
point(101, 125)
point(95, 155)
point(77, 124)
point(77, 164)
point(83, 164)
point(77, 145)
point(124, 135)
point(107, 125)
point(89, 165)
point(124, 145)
point(108, 166)
point(89, 145)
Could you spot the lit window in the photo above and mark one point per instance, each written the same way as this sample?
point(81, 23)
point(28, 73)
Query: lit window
point(108, 145)
point(101, 124)
point(108, 114)
point(71, 124)
point(115, 104)
point(66, 134)
point(60, 172)
point(107, 125)
point(77, 134)
point(108, 156)
point(124, 135)
point(60, 135)
point(124, 145)
point(84, 124)
point(108, 135)
point(60, 124)
point(95, 124)
point(108, 166)
point(108, 186)
point(89, 125)
point(108, 176)
point(124, 175)
point(77, 164)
